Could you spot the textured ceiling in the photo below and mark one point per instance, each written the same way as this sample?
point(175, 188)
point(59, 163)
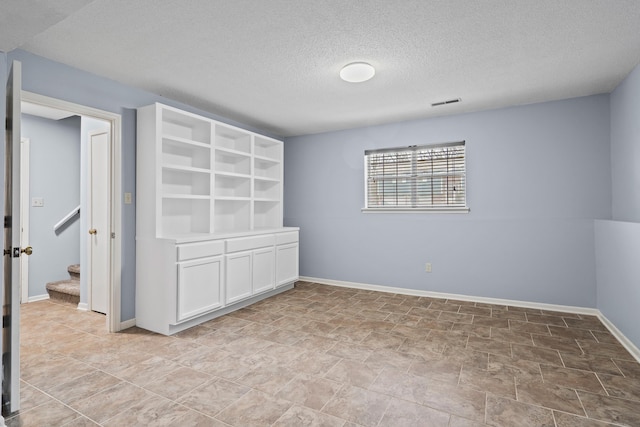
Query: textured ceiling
point(274, 64)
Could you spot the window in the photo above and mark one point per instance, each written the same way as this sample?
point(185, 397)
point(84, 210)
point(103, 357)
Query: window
point(427, 177)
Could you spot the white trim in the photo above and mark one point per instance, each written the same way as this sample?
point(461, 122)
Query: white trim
point(38, 298)
point(421, 293)
point(115, 120)
point(83, 306)
point(116, 227)
point(415, 210)
point(25, 150)
point(128, 324)
point(626, 343)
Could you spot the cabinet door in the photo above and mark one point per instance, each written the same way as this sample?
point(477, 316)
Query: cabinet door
point(238, 284)
point(263, 269)
point(199, 286)
point(286, 263)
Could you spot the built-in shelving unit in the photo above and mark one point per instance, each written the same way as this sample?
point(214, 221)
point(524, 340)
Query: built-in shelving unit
point(201, 186)
point(209, 170)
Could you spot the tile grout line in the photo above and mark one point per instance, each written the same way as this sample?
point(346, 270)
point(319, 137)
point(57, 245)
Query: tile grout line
point(57, 400)
point(142, 387)
point(601, 384)
point(486, 407)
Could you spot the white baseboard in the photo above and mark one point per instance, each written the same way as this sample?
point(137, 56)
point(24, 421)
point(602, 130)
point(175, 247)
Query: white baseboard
point(626, 343)
point(442, 295)
point(83, 306)
point(630, 346)
point(128, 324)
point(38, 298)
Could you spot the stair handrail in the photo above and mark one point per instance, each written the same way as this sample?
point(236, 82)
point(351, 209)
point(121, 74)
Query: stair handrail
point(66, 218)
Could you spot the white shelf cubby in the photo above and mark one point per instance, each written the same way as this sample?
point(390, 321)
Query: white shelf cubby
point(182, 215)
point(232, 186)
point(231, 215)
point(232, 139)
point(267, 214)
point(180, 153)
point(267, 148)
point(226, 161)
point(184, 125)
point(180, 181)
point(267, 168)
point(266, 189)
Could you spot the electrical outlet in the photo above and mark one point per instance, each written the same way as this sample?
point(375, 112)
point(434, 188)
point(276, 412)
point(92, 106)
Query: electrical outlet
point(37, 202)
point(427, 267)
point(127, 198)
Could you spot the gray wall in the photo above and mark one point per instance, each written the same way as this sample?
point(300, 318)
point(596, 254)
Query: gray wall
point(54, 176)
point(538, 176)
point(618, 241)
point(625, 148)
point(617, 251)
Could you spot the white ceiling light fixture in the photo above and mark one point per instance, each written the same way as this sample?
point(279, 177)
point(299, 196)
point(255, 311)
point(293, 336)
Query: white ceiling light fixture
point(357, 72)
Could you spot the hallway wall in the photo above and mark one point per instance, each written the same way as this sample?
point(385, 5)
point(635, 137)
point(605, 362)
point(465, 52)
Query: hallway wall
point(55, 177)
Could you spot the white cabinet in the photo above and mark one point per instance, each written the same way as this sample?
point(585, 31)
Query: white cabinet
point(286, 263)
point(286, 257)
point(250, 272)
point(263, 270)
point(209, 234)
point(199, 286)
point(238, 276)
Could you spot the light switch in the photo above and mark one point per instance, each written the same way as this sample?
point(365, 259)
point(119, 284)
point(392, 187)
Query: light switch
point(37, 202)
point(127, 198)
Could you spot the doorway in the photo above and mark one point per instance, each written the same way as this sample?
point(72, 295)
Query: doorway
point(99, 210)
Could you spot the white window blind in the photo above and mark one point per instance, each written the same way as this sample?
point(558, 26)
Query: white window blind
point(428, 177)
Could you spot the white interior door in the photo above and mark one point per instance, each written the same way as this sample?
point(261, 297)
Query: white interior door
point(99, 230)
point(12, 249)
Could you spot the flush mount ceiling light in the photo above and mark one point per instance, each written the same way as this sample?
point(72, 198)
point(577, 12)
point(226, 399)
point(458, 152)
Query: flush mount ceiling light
point(357, 72)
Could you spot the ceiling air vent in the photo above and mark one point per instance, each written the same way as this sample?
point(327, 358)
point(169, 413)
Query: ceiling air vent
point(450, 101)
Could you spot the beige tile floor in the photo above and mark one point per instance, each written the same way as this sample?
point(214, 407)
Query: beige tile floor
point(326, 356)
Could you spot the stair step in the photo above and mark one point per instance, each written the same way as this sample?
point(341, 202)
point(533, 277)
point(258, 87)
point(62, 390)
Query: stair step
point(71, 287)
point(64, 290)
point(74, 271)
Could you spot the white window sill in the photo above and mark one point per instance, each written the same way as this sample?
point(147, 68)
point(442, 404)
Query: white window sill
point(416, 210)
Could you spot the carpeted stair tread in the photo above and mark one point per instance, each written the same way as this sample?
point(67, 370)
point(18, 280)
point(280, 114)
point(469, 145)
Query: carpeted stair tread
point(66, 291)
point(69, 287)
point(74, 271)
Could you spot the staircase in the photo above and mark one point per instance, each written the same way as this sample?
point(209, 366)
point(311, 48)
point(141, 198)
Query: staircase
point(66, 291)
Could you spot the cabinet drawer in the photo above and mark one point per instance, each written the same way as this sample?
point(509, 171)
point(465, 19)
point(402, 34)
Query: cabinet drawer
point(284, 238)
point(200, 250)
point(248, 243)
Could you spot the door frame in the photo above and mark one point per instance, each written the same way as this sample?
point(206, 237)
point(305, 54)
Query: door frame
point(25, 150)
point(115, 169)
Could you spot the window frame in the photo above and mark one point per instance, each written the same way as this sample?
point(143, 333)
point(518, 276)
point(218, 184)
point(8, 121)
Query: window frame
point(440, 208)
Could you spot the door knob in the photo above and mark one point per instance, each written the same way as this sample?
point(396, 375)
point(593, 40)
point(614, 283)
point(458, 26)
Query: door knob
point(93, 231)
point(27, 251)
